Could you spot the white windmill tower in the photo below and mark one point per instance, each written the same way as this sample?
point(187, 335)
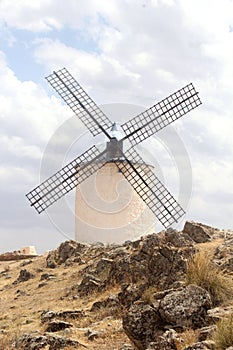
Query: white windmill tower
point(106, 168)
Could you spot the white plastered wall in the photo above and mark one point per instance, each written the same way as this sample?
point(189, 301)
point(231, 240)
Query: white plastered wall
point(108, 210)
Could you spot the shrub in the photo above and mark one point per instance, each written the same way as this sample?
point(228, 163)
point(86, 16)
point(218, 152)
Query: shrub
point(148, 295)
point(223, 335)
point(201, 270)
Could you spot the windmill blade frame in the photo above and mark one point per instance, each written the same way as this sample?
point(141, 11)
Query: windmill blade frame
point(63, 181)
point(161, 114)
point(80, 102)
point(150, 188)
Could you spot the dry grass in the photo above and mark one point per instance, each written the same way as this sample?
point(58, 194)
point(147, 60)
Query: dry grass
point(148, 295)
point(188, 337)
point(223, 336)
point(203, 272)
point(21, 305)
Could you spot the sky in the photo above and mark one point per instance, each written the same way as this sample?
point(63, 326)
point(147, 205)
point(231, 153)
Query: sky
point(127, 55)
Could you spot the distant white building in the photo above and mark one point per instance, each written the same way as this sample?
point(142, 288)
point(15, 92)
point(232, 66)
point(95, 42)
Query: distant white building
point(30, 250)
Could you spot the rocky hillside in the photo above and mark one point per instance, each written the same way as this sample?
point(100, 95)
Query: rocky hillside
point(171, 290)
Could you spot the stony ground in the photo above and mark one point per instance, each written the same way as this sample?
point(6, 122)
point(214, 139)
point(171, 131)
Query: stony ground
point(123, 297)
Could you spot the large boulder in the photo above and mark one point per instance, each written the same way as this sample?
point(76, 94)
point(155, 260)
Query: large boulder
point(185, 307)
point(198, 232)
point(140, 324)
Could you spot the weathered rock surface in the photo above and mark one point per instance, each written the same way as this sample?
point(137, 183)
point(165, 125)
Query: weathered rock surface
point(24, 275)
point(182, 308)
point(90, 284)
point(65, 251)
point(186, 307)
point(198, 232)
point(204, 345)
point(224, 253)
point(167, 341)
point(35, 341)
point(141, 324)
point(57, 325)
point(68, 314)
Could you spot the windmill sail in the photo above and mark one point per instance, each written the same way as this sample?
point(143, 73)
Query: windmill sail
point(160, 115)
point(66, 179)
point(150, 188)
point(79, 101)
point(138, 174)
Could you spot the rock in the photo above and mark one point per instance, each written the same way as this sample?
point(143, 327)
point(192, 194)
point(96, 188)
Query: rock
point(177, 239)
point(140, 324)
point(112, 301)
point(219, 313)
point(47, 276)
point(206, 332)
point(24, 276)
point(167, 265)
point(167, 341)
point(89, 284)
point(91, 335)
point(153, 262)
point(186, 307)
point(51, 260)
point(224, 253)
point(36, 341)
point(198, 232)
point(204, 345)
point(103, 268)
point(68, 314)
point(57, 325)
point(126, 347)
point(65, 251)
point(130, 293)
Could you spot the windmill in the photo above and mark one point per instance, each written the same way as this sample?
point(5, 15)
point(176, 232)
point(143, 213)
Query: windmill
point(128, 162)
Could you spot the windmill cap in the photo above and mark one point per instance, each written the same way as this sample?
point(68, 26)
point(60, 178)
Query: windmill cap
point(116, 131)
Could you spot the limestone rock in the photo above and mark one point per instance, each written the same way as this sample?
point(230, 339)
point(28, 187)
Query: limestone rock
point(167, 341)
point(65, 251)
point(206, 332)
point(24, 275)
point(178, 239)
point(204, 345)
point(126, 347)
point(198, 232)
point(57, 325)
point(36, 341)
point(224, 253)
point(130, 293)
point(112, 301)
point(66, 314)
point(140, 324)
point(167, 265)
point(219, 313)
point(89, 284)
point(186, 307)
